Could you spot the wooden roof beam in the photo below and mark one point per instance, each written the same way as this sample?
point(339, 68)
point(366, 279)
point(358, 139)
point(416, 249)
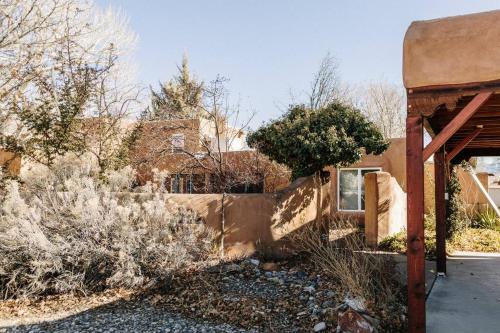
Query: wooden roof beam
point(462, 144)
point(455, 124)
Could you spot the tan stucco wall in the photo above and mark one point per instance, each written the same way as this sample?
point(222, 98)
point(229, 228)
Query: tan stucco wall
point(470, 194)
point(393, 161)
point(258, 220)
point(452, 50)
point(10, 162)
point(385, 207)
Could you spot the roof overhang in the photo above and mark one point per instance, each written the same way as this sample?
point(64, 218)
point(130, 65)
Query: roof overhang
point(452, 51)
point(447, 63)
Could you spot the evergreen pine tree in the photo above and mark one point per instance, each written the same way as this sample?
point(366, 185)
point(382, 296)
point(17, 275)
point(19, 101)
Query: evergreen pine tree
point(179, 98)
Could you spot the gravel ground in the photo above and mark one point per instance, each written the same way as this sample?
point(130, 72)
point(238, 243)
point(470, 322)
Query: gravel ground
point(233, 297)
point(124, 316)
point(246, 296)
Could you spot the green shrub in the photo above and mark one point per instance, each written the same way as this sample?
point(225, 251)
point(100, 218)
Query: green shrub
point(397, 242)
point(456, 216)
point(486, 219)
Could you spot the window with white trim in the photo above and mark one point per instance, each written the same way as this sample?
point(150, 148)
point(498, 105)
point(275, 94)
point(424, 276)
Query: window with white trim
point(177, 143)
point(351, 188)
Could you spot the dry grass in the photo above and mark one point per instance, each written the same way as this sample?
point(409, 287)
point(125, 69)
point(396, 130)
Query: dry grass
point(397, 242)
point(363, 274)
point(62, 230)
point(477, 240)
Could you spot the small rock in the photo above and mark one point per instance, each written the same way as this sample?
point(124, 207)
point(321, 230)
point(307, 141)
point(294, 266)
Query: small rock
point(327, 304)
point(276, 280)
point(255, 262)
point(301, 275)
point(351, 321)
point(232, 268)
point(330, 294)
point(320, 327)
point(329, 314)
point(270, 266)
point(357, 304)
point(309, 289)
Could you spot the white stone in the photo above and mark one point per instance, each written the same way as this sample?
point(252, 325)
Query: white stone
point(255, 262)
point(357, 303)
point(320, 327)
point(309, 289)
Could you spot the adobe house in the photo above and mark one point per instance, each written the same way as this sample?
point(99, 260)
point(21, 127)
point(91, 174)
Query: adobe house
point(188, 151)
point(348, 193)
point(179, 147)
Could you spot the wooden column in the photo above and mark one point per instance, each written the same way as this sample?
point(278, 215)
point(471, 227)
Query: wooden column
point(440, 189)
point(415, 220)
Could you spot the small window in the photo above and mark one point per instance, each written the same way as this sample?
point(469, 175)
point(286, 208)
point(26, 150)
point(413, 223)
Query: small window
point(351, 189)
point(176, 183)
point(177, 143)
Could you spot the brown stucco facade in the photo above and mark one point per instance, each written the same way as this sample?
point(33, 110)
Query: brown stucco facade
point(259, 221)
point(451, 50)
point(195, 163)
point(393, 162)
point(10, 163)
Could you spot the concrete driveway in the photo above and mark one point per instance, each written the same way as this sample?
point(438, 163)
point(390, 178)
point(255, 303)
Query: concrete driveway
point(468, 298)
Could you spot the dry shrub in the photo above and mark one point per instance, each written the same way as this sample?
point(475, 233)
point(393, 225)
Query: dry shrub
point(62, 230)
point(360, 273)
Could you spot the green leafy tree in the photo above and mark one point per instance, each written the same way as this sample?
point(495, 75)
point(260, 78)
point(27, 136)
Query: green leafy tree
point(308, 140)
point(179, 98)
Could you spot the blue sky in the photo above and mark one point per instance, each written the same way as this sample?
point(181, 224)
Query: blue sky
point(267, 48)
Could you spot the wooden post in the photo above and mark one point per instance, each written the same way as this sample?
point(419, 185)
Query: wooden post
point(415, 228)
point(440, 189)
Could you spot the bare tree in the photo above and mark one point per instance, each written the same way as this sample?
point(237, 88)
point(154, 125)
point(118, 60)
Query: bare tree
point(58, 58)
point(326, 86)
point(384, 104)
point(116, 96)
point(28, 30)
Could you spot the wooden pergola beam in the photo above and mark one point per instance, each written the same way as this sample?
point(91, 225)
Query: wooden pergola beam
point(455, 124)
point(462, 144)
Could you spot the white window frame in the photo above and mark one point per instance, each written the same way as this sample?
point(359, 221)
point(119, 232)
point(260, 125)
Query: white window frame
point(182, 139)
point(360, 170)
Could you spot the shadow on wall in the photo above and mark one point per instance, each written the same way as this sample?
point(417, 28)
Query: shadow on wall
point(261, 220)
point(385, 207)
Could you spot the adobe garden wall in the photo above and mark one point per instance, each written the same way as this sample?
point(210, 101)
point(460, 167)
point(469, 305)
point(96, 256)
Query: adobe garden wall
point(261, 221)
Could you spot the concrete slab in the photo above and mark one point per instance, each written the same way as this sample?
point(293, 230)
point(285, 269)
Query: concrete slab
point(468, 298)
